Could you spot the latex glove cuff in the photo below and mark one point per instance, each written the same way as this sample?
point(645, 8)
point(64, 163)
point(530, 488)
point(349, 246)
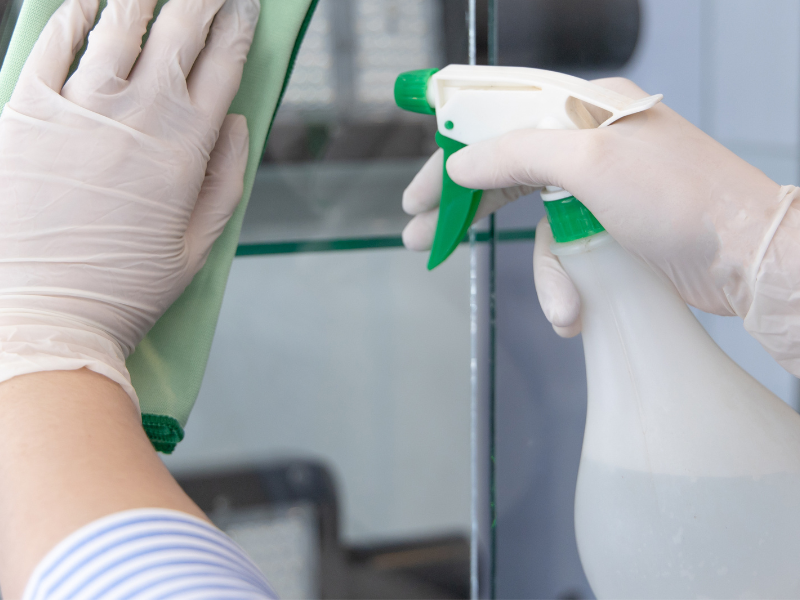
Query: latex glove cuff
point(740, 260)
point(33, 341)
point(773, 317)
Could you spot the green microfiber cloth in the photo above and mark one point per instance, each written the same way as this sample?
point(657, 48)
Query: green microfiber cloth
point(167, 366)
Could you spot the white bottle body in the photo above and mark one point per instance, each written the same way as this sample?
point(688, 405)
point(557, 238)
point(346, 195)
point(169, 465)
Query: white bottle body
point(689, 482)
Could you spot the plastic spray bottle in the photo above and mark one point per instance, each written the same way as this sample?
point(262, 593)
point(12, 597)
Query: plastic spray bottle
point(689, 480)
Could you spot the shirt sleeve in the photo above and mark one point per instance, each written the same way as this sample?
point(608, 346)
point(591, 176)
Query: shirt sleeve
point(147, 554)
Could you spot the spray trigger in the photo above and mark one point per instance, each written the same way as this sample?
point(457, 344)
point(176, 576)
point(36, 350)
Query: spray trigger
point(456, 210)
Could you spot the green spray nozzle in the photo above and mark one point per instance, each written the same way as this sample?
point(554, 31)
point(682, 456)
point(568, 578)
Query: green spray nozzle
point(411, 91)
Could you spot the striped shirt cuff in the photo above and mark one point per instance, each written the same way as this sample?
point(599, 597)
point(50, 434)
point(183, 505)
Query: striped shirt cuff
point(147, 554)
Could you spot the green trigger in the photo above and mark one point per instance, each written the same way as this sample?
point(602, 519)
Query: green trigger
point(456, 211)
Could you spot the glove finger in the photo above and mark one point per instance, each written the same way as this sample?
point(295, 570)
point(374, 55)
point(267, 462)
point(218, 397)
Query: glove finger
point(114, 45)
point(54, 51)
point(418, 234)
point(494, 200)
point(177, 36)
point(558, 296)
point(221, 191)
point(425, 191)
point(568, 332)
point(529, 157)
point(420, 231)
point(538, 157)
point(216, 74)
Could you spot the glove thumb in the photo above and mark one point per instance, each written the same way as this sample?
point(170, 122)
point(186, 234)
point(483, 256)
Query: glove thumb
point(558, 296)
point(221, 190)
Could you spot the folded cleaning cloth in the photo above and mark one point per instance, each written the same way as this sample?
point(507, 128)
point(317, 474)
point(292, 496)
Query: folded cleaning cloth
point(167, 367)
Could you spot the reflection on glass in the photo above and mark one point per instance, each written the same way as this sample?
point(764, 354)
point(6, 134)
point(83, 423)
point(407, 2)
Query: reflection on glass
point(340, 152)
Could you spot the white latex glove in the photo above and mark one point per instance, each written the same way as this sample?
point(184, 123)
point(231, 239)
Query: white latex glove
point(663, 189)
point(116, 186)
point(719, 229)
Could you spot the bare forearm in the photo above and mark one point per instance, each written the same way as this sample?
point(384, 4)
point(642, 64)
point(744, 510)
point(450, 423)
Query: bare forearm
point(72, 450)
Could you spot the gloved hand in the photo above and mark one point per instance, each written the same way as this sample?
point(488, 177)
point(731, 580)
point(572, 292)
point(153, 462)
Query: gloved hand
point(712, 224)
point(116, 186)
point(557, 296)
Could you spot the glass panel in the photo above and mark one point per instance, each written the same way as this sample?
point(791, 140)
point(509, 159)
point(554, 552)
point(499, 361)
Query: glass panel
point(340, 152)
point(336, 397)
point(540, 378)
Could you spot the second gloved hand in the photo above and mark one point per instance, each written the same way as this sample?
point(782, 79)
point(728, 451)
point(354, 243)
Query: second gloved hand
point(666, 191)
point(117, 182)
point(719, 229)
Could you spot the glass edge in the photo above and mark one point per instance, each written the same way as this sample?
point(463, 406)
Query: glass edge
point(367, 243)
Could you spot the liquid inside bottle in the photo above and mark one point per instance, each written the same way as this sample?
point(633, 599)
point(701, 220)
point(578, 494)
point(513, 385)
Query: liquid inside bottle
point(689, 481)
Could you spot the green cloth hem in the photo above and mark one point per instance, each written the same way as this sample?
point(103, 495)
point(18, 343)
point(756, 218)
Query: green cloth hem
point(164, 432)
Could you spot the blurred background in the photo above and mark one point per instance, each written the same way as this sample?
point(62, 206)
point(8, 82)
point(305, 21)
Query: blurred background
point(332, 433)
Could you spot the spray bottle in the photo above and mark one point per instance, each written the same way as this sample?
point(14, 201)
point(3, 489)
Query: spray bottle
point(689, 480)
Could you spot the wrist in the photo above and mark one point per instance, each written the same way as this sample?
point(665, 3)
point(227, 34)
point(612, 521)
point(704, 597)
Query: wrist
point(773, 317)
point(34, 341)
point(745, 237)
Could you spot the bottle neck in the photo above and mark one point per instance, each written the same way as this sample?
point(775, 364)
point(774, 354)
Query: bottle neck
point(581, 245)
point(569, 219)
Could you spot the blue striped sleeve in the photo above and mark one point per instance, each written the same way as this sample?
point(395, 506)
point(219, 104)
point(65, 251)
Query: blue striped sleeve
point(147, 554)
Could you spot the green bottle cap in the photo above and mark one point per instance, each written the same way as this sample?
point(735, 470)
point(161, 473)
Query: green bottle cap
point(570, 220)
point(410, 91)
